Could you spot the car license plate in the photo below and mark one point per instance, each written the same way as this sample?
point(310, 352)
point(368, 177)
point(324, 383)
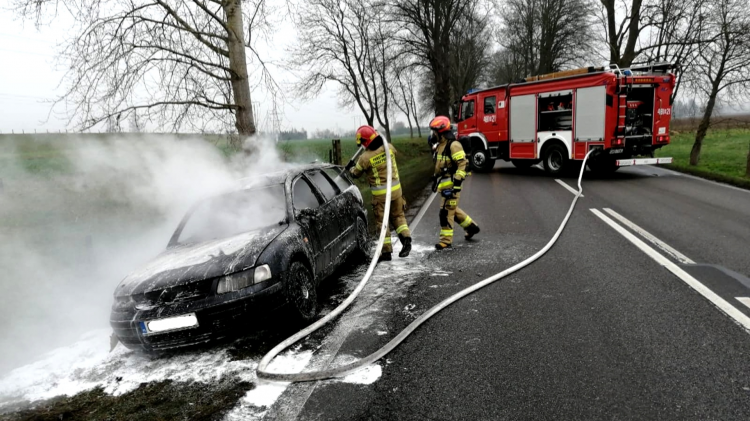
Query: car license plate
point(169, 324)
point(614, 151)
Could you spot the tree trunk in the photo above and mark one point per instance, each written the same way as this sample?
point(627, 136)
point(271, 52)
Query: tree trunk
point(245, 122)
point(411, 128)
point(441, 70)
point(747, 169)
point(695, 153)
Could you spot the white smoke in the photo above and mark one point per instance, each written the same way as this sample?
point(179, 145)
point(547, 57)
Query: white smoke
point(67, 237)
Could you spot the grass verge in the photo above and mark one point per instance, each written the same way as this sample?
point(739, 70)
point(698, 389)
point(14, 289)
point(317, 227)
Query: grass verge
point(723, 156)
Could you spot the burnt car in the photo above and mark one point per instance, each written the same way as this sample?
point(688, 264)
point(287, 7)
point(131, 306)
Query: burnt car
point(265, 245)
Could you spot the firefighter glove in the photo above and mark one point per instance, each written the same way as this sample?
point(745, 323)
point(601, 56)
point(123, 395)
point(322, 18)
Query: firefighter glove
point(349, 166)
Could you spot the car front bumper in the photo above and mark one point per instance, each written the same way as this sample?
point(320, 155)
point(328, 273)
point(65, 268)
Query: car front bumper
point(217, 318)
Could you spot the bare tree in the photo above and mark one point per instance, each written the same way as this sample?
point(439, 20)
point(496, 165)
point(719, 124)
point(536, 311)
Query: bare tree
point(469, 58)
point(677, 27)
point(178, 63)
point(506, 66)
point(543, 36)
point(404, 87)
point(623, 23)
point(349, 43)
point(426, 30)
point(724, 62)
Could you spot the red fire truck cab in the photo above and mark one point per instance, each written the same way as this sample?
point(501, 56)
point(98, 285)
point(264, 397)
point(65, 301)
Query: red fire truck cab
point(558, 118)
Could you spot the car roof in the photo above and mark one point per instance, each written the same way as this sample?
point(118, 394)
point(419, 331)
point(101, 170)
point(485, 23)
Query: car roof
point(279, 177)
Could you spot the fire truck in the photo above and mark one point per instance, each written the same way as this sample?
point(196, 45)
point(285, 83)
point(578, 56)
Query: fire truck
point(557, 118)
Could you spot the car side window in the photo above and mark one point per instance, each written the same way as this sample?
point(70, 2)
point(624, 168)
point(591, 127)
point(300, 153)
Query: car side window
point(303, 196)
point(342, 181)
point(326, 187)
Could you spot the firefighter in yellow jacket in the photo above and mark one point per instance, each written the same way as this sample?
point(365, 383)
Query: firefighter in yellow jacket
point(373, 164)
point(450, 172)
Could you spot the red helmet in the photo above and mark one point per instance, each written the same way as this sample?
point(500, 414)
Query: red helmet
point(365, 135)
point(440, 124)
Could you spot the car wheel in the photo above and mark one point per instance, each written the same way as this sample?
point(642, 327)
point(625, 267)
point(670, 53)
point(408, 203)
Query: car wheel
point(555, 159)
point(301, 292)
point(363, 239)
point(480, 160)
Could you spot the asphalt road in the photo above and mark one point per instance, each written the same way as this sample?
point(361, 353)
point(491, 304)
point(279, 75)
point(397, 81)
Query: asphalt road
point(598, 328)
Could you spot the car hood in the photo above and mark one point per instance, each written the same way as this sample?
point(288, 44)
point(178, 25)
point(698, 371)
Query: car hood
point(192, 262)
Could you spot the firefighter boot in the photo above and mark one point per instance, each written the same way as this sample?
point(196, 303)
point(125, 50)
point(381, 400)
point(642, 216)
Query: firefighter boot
point(405, 246)
point(471, 230)
point(385, 257)
point(442, 246)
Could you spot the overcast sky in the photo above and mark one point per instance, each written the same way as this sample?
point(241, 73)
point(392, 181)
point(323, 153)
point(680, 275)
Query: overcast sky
point(29, 79)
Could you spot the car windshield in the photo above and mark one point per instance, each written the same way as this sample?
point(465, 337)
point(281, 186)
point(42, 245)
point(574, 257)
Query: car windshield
point(234, 213)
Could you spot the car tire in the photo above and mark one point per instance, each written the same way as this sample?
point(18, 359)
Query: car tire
point(555, 159)
point(301, 292)
point(363, 239)
point(481, 161)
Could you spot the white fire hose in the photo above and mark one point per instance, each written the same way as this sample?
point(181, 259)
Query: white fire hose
point(390, 346)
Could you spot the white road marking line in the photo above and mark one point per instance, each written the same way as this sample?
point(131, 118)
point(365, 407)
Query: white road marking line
point(422, 211)
point(744, 300)
point(723, 305)
point(657, 242)
point(570, 189)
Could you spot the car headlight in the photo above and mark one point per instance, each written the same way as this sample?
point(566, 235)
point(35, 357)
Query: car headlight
point(244, 279)
point(262, 273)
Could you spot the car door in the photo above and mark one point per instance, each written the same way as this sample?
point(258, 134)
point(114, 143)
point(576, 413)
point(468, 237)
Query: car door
point(336, 213)
point(349, 201)
point(308, 214)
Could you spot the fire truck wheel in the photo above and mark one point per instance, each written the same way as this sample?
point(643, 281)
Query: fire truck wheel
point(555, 159)
point(480, 160)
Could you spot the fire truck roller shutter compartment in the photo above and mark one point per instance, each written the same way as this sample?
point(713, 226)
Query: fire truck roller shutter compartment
point(591, 108)
point(523, 126)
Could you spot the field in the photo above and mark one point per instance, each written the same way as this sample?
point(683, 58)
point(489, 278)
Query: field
point(723, 155)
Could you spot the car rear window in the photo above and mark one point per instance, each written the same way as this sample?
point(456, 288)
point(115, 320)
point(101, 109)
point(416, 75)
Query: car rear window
point(303, 196)
point(342, 181)
point(325, 185)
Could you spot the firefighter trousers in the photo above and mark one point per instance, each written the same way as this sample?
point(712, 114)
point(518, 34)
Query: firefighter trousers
point(449, 211)
point(397, 220)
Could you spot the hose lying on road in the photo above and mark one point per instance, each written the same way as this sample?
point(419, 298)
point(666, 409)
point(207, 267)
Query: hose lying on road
point(325, 374)
point(390, 346)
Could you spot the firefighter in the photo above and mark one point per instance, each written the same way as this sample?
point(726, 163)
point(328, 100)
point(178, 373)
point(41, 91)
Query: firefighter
point(450, 172)
point(372, 163)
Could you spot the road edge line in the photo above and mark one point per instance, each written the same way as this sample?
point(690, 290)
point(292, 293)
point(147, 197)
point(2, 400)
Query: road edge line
point(714, 298)
point(652, 238)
